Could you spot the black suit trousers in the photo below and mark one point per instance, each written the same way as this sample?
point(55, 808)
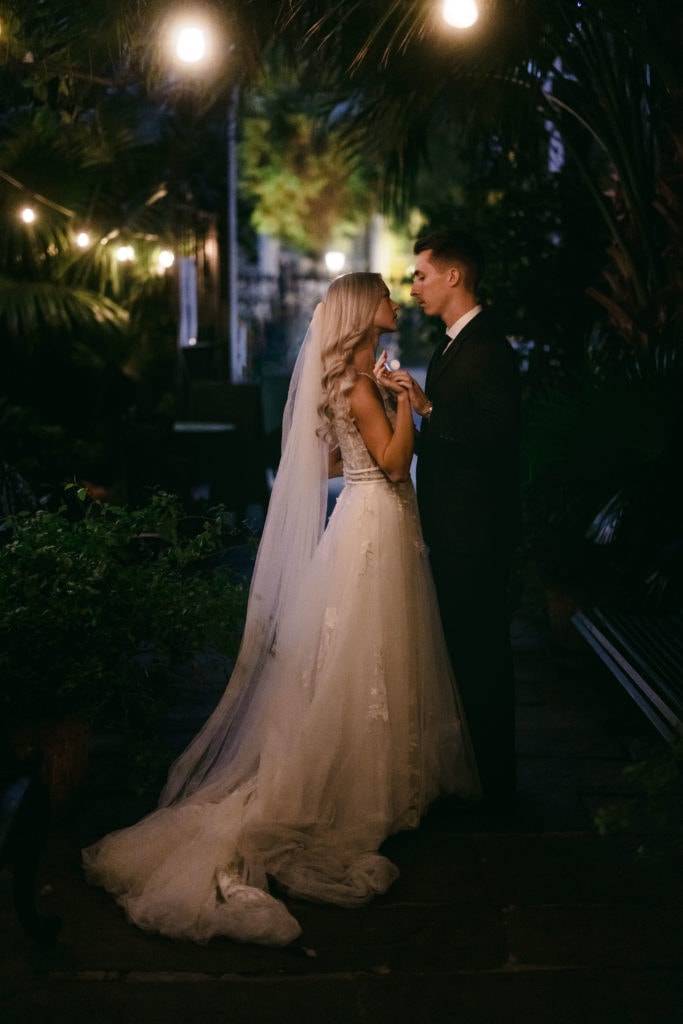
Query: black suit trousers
point(472, 589)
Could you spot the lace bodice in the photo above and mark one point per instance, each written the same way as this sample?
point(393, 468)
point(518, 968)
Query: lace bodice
point(357, 460)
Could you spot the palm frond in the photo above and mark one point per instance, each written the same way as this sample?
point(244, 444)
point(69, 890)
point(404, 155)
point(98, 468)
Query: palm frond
point(27, 308)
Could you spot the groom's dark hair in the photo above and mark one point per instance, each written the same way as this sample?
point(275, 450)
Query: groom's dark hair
point(455, 246)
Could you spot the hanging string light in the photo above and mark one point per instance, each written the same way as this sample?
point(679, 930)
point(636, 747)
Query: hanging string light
point(460, 13)
point(191, 44)
point(166, 259)
point(151, 259)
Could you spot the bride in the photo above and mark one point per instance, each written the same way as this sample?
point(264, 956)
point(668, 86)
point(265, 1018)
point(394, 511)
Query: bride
point(341, 722)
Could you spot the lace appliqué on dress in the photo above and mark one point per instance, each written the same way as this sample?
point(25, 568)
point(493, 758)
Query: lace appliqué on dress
point(368, 555)
point(329, 625)
point(378, 709)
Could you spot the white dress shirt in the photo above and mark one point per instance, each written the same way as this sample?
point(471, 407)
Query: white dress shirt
point(455, 329)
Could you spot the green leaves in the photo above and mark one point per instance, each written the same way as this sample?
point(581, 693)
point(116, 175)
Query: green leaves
point(28, 307)
point(99, 603)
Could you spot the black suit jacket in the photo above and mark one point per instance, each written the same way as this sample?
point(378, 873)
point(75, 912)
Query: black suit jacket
point(468, 452)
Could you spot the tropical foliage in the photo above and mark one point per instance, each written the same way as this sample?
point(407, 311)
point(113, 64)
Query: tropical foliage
point(89, 146)
point(302, 175)
point(601, 80)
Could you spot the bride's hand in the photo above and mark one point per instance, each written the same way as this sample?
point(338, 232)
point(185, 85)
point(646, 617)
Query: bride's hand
point(380, 370)
point(395, 381)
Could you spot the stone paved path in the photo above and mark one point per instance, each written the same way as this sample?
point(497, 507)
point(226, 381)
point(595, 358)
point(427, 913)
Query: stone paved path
point(531, 918)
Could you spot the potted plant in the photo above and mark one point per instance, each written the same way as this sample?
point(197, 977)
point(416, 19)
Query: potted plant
point(97, 605)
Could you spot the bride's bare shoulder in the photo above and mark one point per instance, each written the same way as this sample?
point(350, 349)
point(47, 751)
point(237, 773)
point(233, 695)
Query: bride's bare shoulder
point(365, 393)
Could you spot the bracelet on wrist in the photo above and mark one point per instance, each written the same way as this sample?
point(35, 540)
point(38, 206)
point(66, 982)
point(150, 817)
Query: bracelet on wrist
point(426, 415)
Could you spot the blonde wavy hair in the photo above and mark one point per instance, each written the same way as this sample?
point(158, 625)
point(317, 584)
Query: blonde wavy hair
point(348, 313)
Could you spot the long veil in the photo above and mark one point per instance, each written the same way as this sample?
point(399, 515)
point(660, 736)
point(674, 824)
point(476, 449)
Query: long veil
point(294, 525)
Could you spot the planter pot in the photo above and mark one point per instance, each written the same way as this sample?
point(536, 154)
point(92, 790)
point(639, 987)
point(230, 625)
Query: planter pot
point(63, 745)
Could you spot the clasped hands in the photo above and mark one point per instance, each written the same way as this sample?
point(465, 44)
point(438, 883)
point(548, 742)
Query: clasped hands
point(400, 380)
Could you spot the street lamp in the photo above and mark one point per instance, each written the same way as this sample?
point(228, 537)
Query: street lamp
point(334, 261)
point(192, 46)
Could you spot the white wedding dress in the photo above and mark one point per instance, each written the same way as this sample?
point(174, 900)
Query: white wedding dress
point(353, 730)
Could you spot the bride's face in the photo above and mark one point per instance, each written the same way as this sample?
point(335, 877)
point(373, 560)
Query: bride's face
point(386, 314)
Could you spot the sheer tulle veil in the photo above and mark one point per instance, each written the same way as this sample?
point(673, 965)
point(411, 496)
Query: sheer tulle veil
point(293, 528)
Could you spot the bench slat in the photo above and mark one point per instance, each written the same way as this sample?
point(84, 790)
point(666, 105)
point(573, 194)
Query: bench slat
point(653, 647)
point(645, 653)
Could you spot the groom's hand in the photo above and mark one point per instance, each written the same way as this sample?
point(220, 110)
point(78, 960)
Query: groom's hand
point(401, 380)
point(418, 400)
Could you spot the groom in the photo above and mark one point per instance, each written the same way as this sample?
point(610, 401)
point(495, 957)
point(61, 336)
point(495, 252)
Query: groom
point(468, 493)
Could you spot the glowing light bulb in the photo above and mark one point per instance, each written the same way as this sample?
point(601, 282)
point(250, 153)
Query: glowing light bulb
point(334, 261)
point(125, 253)
point(191, 44)
point(460, 13)
point(28, 215)
point(82, 239)
point(166, 259)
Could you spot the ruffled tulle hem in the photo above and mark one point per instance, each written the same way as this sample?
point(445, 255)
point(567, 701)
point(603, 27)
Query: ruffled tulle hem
point(182, 908)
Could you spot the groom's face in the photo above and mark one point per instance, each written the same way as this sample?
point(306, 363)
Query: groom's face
point(432, 287)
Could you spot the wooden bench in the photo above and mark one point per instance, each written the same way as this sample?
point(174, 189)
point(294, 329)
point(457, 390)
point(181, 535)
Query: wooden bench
point(645, 653)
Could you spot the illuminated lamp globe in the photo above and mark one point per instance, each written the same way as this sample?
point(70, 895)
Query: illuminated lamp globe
point(191, 44)
point(334, 261)
point(460, 13)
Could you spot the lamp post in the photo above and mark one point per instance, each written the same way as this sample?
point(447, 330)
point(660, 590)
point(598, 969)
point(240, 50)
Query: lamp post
point(237, 355)
point(192, 47)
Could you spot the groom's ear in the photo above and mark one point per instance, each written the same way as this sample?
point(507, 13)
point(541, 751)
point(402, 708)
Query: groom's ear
point(454, 277)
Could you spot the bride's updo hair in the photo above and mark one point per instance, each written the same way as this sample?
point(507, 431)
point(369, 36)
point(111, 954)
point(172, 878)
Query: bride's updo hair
point(348, 313)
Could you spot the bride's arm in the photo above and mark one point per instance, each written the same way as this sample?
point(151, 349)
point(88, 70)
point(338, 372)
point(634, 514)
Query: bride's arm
point(391, 448)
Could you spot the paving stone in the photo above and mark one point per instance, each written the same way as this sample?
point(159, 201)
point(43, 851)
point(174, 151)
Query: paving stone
point(502, 997)
point(611, 935)
point(585, 868)
point(407, 937)
point(436, 866)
